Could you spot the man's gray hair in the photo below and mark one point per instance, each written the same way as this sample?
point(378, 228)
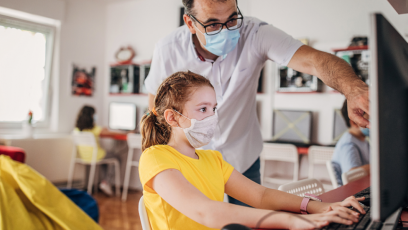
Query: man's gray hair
point(189, 4)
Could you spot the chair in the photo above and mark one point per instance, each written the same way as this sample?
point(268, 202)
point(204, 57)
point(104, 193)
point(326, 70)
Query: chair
point(279, 152)
point(301, 187)
point(318, 155)
point(88, 139)
point(144, 219)
point(353, 175)
point(332, 174)
point(134, 141)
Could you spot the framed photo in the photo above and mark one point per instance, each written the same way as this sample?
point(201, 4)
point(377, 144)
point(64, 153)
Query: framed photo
point(83, 81)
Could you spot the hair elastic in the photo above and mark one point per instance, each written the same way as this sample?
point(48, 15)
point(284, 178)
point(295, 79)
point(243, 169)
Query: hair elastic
point(154, 111)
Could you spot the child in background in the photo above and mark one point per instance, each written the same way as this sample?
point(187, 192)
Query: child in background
point(183, 187)
point(86, 123)
point(352, 150)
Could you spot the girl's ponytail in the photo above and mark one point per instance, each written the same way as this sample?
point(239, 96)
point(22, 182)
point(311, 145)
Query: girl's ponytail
point(153, 133)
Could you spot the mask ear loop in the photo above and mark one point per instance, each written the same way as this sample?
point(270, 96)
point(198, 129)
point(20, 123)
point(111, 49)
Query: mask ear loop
point(181, 115)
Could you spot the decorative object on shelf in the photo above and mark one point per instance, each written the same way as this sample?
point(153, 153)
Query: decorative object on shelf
point(125, 55)
point(83, 81)
point(290, 80)
point(28, 129)
point(129, 78)
point(358, 57)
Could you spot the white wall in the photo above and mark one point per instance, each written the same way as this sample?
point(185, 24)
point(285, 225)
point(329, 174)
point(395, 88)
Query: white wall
point(328, 25)
point(82, 41)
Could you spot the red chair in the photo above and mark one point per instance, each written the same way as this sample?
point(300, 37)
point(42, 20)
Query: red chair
point(14, 153)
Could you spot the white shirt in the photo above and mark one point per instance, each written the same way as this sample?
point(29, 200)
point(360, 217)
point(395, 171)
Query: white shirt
point(235, 80)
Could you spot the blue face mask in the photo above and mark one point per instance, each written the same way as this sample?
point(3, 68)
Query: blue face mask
point(365, 131)
point(222, 43)
point(95, 117)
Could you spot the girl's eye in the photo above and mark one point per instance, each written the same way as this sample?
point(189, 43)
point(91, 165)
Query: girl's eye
point(215, 108)
point(203, 110)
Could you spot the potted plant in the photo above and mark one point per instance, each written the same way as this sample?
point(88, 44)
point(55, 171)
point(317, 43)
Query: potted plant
point(28, 129)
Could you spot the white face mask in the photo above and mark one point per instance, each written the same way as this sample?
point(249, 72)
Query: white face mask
point(201, 132)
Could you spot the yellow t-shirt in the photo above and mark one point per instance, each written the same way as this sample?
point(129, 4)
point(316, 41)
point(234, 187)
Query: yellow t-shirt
point(85, 152)
point(209, 174)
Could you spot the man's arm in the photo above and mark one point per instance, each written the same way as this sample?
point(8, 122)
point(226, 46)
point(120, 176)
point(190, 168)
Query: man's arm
point(151, 101)
point(338, 74)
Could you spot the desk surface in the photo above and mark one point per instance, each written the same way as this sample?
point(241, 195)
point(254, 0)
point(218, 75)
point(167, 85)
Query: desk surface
point(345, 191)
point(121, 137)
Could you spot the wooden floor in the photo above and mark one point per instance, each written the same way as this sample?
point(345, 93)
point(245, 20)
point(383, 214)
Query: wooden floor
point(117, 215)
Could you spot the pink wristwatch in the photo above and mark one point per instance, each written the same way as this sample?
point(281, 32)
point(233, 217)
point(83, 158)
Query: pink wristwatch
point(307, 197)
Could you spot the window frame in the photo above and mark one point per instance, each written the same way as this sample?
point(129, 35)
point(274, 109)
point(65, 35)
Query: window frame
point(50, 31)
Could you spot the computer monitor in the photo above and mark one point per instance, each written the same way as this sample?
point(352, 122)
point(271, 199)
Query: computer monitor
point(388, 118)
point(122, 116)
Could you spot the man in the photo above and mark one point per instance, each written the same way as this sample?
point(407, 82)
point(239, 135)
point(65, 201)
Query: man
point(230, 50)
point(352, 150)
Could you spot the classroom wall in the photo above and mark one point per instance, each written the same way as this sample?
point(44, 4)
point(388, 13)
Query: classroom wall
point(82, 41)
point(327, 24)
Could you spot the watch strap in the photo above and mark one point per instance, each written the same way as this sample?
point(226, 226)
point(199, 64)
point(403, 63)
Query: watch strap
point(303, 205)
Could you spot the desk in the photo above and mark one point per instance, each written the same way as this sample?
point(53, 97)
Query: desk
point(119, 137)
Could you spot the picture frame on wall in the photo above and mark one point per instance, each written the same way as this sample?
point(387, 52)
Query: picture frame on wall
point(83, 81)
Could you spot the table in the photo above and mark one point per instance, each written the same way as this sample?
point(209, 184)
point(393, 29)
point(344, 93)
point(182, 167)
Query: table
point(119, 137)
point(345, 191)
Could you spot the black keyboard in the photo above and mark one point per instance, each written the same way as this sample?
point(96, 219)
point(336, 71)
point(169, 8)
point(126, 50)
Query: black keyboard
point(364, 193)
point(364, 219)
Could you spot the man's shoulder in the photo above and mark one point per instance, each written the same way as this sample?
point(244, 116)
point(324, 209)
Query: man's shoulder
point(180, 36)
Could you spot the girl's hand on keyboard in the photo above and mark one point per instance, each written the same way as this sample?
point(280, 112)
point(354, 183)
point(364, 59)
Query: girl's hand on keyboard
point(313, 221)
point(349, 202)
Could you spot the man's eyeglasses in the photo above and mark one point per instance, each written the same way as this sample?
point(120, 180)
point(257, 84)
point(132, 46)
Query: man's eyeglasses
point(215, 28)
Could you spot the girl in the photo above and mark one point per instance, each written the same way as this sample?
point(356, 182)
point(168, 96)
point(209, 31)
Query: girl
point(86, 123)
point(183, 187)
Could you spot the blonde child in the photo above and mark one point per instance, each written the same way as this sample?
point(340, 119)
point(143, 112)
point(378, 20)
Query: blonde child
point(183, 187)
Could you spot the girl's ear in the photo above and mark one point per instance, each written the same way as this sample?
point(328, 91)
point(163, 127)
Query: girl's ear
point(171, 118)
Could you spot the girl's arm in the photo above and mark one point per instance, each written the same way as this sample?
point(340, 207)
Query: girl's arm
point(258, 196)
point(176, 190)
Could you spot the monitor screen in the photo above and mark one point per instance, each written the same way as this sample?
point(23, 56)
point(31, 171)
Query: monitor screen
point(122, 116)
point(388, 118)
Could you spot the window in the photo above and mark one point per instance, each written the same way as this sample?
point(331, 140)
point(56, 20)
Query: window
point(25, 66)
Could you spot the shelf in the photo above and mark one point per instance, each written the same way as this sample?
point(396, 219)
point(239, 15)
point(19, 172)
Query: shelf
point(128, 94)
point(351, 48)
point(298, 92)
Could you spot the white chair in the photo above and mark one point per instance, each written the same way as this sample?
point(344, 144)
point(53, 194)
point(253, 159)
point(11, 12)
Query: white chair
point(353, 175)
point(134, 141)
point(88, 139)
point(144, 219)
point(279, 152)
point(332, 174)
point(301, 187)
point(318, 155)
